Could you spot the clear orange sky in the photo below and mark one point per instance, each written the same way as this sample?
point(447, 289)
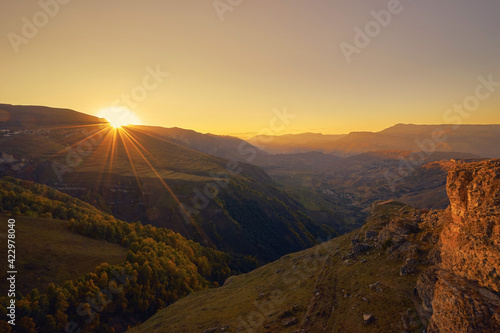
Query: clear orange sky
point(227, 76)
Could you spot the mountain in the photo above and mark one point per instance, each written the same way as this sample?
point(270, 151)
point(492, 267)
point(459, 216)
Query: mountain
point(137, 175)
point(294, 143)
point(400, 272)
point(362, 142)
point(227, 147)
point(26, 117)
point(481, 140)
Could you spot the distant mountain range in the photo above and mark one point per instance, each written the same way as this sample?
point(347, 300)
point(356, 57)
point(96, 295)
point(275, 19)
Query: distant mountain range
point(295, 143)
point(482, 140)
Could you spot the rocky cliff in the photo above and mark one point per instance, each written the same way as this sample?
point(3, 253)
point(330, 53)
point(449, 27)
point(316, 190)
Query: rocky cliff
point(461, 291)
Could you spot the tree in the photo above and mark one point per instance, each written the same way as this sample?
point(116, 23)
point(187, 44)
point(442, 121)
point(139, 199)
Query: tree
point(26, 325)
point(50, 324)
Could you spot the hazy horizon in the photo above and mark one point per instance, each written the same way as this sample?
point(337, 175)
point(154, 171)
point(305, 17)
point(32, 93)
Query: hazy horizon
point(224, 71)
point(249, 135)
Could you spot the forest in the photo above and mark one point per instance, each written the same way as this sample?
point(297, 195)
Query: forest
point(161, 267)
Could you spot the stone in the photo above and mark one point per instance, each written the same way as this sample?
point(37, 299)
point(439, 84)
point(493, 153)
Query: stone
point(290, 322)
point(211, 330)
point(376, 286)
point(368, 319)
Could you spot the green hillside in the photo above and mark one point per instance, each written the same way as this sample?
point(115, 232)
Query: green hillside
point(160, 266)
point(47, 251)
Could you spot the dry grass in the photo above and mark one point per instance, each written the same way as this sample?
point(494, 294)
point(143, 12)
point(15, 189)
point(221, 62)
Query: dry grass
point(317, 287)
point(46, 251)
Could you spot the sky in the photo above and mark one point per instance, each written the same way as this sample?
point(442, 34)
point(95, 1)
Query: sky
point(244, 67)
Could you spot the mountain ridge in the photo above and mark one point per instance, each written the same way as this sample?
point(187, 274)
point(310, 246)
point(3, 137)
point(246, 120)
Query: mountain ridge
point(428, 138)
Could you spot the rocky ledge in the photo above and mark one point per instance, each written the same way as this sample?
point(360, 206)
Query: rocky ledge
point(461, 291)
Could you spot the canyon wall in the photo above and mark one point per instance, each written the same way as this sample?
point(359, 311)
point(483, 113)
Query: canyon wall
point(461, 291)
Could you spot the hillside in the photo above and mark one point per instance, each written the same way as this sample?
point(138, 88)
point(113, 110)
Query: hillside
point(159, 266)
point(400, 272)
point(31, 117)
point(47, 251)
point(305, 291)
point(227, 147)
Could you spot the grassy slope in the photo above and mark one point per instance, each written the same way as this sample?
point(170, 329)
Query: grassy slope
point(46, 252)
point(316, 284)
point(273, 288)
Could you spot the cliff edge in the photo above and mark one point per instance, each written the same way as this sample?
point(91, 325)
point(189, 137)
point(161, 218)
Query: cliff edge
point(465, 279)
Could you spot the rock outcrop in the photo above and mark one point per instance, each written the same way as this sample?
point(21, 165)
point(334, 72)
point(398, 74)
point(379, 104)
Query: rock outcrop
point(461, 291)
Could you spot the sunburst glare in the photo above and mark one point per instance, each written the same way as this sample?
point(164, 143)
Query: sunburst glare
point(119, 116)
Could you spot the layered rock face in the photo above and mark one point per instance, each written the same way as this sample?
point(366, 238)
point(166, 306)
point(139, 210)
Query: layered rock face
point(462, 291)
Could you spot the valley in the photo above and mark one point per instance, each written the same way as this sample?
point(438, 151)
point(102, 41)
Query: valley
point(398, 258)
point(255, 240)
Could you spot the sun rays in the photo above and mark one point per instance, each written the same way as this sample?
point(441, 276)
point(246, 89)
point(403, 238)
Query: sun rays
point(117, 151)
point(119, 116)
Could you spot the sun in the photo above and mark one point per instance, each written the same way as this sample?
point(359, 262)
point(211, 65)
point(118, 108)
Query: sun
point(118, 116)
